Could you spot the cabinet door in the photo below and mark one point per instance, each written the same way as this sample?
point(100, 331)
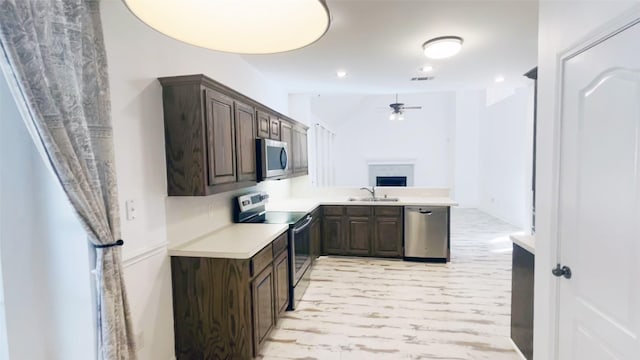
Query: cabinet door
point(220, 130)
point(281, 275)
point(300, 161)
point(262, 124)
point(333, 235)
point(245, 142)
point(274, 128)
point(286, 135)
point(358, 235)
point(263, 306)
point(387, 240)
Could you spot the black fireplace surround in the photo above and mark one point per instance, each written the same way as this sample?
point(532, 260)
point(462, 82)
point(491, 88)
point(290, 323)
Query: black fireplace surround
point(391, 181)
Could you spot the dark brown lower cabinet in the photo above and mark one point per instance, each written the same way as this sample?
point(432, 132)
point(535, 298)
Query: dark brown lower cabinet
point(263, 307)
point(388, 231)
point(357, 230)
point(281, 275)
point(522, 283)
point(358, 235)
point(210, 297)
point(333, 235)
point(220, 310)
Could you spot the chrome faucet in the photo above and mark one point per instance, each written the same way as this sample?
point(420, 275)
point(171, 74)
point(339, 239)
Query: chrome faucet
point(371, 191)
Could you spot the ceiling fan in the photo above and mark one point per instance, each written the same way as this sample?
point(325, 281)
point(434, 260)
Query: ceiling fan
point(397, 110)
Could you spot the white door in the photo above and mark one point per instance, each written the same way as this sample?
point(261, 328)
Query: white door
point(599, 201)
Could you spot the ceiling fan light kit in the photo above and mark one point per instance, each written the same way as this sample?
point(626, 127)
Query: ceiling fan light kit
point(397, 110)
point(442, 47)
point(241, 27)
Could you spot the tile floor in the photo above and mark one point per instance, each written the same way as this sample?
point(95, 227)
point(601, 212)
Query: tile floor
point(359, 308)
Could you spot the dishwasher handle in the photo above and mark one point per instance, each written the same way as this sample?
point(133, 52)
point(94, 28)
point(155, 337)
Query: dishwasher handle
point(426, 212)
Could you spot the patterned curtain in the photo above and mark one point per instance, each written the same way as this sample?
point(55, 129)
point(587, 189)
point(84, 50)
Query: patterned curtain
point(53, 54)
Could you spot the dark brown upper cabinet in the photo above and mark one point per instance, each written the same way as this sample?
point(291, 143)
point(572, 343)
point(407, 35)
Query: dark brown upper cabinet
point(263, 122)
point(268, 125)
point(274, 128)
point(210, 133)
point(245, 142)
point(286, 135)
point(220, 141)
point(300, 156)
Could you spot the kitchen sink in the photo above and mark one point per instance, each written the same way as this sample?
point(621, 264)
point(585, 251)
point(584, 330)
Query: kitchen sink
point(376, 199)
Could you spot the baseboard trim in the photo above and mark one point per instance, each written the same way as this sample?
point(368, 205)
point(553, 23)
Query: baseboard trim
point(517, 349)
point(144, 254)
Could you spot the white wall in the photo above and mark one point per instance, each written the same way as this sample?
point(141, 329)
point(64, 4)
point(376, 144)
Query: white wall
point(365, 133)
point(469, 109)
point(505, 158)
point(137, 56)
point(4, 345)
point(561, 26)
point(45, 257)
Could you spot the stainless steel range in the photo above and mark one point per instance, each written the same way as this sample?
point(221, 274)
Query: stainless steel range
point(250, 208)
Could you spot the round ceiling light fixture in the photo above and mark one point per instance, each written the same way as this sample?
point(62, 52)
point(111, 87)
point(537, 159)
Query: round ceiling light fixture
point(242, 27)
point(442, 47)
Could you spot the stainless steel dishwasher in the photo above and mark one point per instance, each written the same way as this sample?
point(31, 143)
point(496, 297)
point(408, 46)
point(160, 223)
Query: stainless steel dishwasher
point(426, 233)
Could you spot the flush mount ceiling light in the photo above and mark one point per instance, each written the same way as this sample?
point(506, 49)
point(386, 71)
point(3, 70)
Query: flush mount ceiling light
point(442, 47)
point(242, 27)
point(341, 73)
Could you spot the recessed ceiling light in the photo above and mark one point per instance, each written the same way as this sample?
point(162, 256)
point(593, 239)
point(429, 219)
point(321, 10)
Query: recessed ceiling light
point(243, 27)
point(426, 68)
point(499, 79)
point(442, 47)
point(341, 73)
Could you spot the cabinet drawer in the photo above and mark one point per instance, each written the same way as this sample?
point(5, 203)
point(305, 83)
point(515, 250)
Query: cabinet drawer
point(280, 244)
point(260, 260)
point(358, 210)
point(332, 210)
point(388, 210)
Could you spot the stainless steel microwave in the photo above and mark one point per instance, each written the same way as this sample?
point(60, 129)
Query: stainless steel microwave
point(272, 159)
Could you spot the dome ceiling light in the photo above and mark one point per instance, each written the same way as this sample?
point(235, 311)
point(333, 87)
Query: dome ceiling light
point(442, 47)
point(242, 27)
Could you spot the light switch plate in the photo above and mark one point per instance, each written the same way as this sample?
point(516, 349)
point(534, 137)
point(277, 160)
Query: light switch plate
point(131, 210)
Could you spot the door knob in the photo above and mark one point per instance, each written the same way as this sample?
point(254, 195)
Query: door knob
point(562, 271)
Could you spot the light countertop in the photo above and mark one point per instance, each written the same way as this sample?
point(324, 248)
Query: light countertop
point(527, 242)
point(242, 241)
point(308, 205)
point(237, 241)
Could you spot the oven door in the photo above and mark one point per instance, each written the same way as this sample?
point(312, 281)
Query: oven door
point(274, 158)
point(300, 249)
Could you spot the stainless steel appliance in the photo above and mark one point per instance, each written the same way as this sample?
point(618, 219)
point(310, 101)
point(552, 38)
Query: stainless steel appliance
point(250, 208)
point(272, 159)
point(426, 233)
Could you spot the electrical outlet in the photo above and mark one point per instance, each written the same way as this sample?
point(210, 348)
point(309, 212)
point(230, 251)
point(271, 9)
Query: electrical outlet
point(139, 340)
point(132, 210)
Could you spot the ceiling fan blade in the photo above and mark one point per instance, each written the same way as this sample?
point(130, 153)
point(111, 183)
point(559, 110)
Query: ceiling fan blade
point(412, 107)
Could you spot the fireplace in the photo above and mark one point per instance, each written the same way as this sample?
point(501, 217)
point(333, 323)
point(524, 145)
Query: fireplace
point(391, 181)
point(391, 173)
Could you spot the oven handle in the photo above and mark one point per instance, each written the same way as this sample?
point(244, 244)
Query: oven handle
point(303, 226)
